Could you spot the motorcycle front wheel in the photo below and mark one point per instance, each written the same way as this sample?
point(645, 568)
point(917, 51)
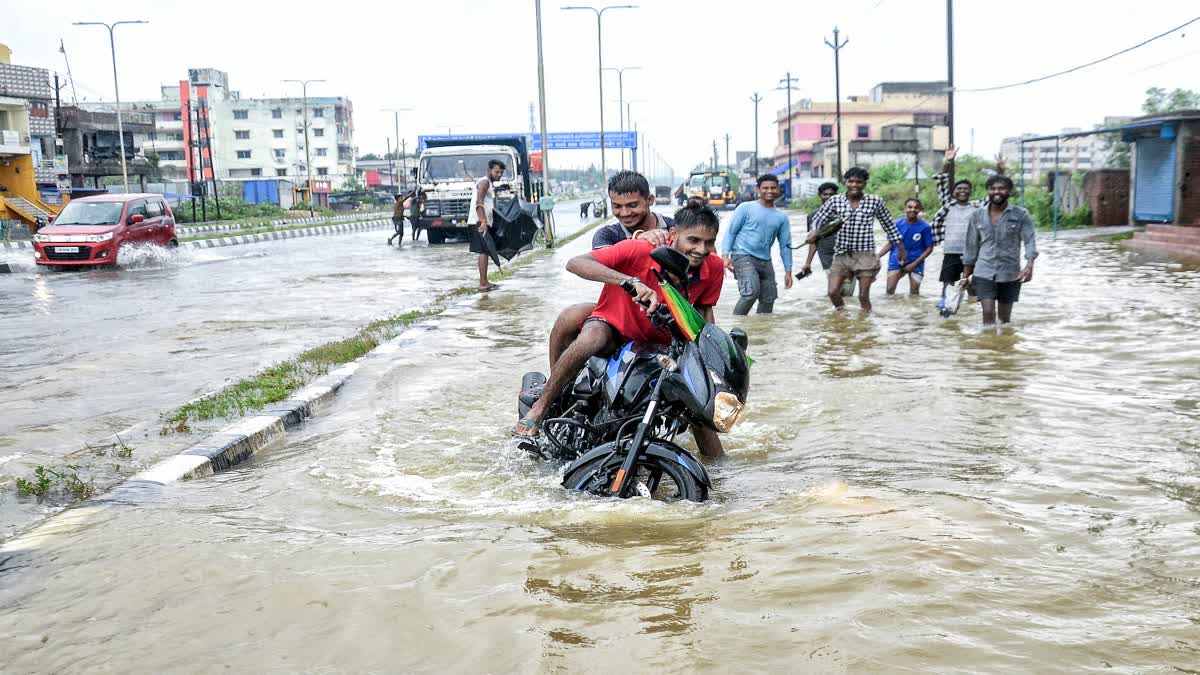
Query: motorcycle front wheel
point(656, 478)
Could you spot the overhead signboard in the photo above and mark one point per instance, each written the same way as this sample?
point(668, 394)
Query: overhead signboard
point(567, 140)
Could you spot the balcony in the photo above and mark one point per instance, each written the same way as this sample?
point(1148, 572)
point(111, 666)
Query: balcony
point(13, 143)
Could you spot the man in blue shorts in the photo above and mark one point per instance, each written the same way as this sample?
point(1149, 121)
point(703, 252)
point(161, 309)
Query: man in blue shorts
point(917, 236)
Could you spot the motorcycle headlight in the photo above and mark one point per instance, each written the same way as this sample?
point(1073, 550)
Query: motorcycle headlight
point(727, 411)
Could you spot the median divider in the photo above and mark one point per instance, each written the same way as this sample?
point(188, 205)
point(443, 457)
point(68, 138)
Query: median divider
point(278, 235)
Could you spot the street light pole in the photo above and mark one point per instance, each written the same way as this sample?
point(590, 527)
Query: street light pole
point(788, 84)
point(548, 218)
point(307, 152)
point(112, 45)
point(403, 170)
point(600, 76)
point(756, 98)
point(837, 91)
point(622, 110)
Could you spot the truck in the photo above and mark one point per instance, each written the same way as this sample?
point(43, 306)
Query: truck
point(447, 171)
point(717, 188)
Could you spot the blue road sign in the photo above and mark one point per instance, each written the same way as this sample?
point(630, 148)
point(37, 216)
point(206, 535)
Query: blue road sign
point(567, 140)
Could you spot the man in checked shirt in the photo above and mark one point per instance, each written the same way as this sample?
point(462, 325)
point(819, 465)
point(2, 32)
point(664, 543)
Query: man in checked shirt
point(854, 247)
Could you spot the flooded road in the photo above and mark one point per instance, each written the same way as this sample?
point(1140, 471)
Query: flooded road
point(906, 494)
point(86, 354)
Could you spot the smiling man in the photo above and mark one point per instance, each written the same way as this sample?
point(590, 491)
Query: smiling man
point(993, 251)
point(626, 269)
point(752, 233)
point(854, 247)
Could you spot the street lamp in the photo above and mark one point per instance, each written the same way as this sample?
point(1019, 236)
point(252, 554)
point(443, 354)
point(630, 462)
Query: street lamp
point(307, 153)
point(600, 75)
point(788, 84)
point(621, 109)
point(116, 88)
point(396, 119)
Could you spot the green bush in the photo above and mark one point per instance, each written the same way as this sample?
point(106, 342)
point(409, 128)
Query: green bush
point(232, 208)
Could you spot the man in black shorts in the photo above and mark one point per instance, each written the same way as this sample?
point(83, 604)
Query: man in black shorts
point(993, 251)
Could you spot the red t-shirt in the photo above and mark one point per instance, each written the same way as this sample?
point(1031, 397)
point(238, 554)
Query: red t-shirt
point(632, 257)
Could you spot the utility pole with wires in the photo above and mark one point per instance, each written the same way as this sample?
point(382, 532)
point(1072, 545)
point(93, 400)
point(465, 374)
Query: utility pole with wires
point(715, 158)
point(836, 46)
point(62, 48)
point(307, 152)
point(789, 84)
point(728, 166)
point(949, 71)
point(756, 98)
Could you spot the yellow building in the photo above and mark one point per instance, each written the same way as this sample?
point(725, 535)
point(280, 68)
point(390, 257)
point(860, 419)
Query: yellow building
point(865, 119)
point(27, 142)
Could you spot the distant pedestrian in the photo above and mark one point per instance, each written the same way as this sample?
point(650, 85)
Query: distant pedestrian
point(824, 245)
point(917, 236)
point(398, 221)
point(993, 251)
point(854, 245)
point(583, 210)
point(753, 230)
point(483, 201)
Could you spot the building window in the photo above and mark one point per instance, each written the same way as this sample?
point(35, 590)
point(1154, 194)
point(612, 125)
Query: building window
point(277, 133)
point(862, 131)
point(255, 172)
point(280, 153)
point(787, 136)
point(280, 172)
point(341, 129)
point(241, 114)
point(277, 113)
point(826, 131)
point(318, 112)
point(243, 154)
point(322, 171)
point(170, 156)
point(241, 134)
point(318, 132)
point(321, 152)
point(177, 116)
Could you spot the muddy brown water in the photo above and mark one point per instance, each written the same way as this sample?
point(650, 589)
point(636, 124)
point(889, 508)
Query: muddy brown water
point(907, 494)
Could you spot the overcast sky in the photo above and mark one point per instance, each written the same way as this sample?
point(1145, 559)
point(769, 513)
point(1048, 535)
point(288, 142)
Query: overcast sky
point(471, 65)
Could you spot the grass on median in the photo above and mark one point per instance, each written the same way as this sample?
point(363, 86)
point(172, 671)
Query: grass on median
point(279, 381)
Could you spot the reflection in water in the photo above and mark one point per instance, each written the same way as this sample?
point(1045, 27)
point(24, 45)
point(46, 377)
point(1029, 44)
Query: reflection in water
point(42, 296)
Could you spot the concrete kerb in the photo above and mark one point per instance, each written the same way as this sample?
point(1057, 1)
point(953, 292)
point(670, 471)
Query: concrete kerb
point(287, 234)
point(201, 228)
point(217, 452)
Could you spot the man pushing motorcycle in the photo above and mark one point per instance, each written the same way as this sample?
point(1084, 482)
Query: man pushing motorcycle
point(631, 292)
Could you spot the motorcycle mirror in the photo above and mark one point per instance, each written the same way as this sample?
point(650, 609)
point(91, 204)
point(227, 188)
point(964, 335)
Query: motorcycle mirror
point(740, 338)
point(672, 261)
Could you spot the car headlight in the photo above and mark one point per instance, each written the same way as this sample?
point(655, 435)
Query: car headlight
point(41, 238)
point(727, 411)
point(97, 238)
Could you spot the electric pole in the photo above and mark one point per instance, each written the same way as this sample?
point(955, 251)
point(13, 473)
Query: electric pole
point(837, 94)
point(756, 98)
point(789, 85)
point(714, 161)
point(727, 164)
point(950, 68)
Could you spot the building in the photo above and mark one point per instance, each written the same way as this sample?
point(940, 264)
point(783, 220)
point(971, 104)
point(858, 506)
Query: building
point(245, 138)
point(1078, 152)
point(29, 157)
point(865, 120)
point(93, 151)
point(1165, 179)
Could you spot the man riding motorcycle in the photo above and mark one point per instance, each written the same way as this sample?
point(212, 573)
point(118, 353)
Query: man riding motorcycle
point(627, 270)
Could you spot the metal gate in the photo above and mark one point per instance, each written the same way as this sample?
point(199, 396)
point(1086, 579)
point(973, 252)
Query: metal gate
point(1154, 191)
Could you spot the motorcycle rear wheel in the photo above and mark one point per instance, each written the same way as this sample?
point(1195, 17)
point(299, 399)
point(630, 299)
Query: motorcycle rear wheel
point(658, 479)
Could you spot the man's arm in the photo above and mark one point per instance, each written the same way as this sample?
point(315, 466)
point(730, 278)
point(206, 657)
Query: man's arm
point(812, 252)
point(889, 228)
point(735, 226)
point(920, 259)
point(1029, 235)
point(707, 313)
point(819, 218)
point(587, 267)
point(971, 253)
point(784, 235)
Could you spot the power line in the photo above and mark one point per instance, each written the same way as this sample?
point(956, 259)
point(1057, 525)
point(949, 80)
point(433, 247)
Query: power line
point(1086, 65)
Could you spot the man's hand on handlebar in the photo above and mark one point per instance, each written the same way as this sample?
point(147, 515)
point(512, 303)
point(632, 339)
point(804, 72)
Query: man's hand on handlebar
point(645, 296)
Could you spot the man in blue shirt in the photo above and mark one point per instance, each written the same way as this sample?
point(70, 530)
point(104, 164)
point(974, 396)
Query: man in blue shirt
point(752, 231)
point(917, 236)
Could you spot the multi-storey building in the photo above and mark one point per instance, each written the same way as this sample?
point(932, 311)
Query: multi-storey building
point(813, 133)
point(29, 157)
point(245, 138)
point(1036, 158)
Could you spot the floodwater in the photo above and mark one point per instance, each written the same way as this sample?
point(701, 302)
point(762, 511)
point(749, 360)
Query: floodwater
point(906, 494)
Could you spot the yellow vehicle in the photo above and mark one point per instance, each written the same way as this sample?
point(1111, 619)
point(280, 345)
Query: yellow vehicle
point(717, 188)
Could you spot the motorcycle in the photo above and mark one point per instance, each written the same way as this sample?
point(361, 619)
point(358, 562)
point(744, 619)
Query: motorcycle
point(616, 423)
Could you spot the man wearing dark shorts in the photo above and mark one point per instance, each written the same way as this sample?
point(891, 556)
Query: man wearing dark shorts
point(483, 202)
point(950, 222)
point(618, 318)
point(398, 221)
point(993, 251)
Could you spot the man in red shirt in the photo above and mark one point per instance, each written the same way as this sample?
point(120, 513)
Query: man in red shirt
point(619, 318)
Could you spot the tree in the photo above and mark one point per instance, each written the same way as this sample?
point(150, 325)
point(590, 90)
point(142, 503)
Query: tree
point(351, 184)
point(1159, 100)
point(369, 157)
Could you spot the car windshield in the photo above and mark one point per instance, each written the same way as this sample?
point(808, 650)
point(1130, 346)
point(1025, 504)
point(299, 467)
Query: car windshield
point(718, 182)
point(696, 182)
point(462, 167)
point(90, 213)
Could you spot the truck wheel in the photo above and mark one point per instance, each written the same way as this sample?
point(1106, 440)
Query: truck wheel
point(435, 236)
